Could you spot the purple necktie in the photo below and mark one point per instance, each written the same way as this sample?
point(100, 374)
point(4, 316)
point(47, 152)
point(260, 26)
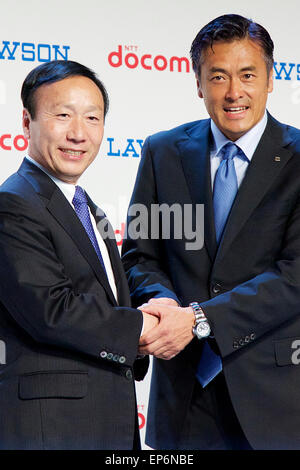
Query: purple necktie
point(81, 207)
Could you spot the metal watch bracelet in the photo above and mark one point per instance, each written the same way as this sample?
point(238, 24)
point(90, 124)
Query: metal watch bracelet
point(199, 315)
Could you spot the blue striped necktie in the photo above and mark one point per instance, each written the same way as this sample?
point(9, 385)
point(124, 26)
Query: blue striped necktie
point(225, 189)
point(81, 208)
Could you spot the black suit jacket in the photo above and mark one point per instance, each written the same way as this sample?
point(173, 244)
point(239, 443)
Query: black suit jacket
point(249, 286)
point(70, 349)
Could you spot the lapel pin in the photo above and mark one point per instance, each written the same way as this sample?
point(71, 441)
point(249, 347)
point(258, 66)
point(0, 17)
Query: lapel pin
point(277, 159)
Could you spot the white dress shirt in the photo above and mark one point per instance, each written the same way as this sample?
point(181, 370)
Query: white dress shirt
point(68, 190)
point(248, 143)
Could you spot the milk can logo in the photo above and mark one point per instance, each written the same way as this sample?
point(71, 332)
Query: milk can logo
point(132, 58)
point(31, 52)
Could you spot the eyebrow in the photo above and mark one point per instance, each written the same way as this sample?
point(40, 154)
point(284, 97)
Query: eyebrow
point(69, 106)
point(217, 69)
point(250, 68)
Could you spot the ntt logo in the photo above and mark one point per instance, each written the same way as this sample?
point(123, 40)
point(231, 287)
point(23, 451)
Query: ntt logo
point(129, 57)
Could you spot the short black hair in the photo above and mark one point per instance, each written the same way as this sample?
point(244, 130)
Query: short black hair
point(229, 28)
point(54, 71)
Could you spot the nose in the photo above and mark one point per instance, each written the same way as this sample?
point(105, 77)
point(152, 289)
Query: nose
point(235, 90)
point(76, 130)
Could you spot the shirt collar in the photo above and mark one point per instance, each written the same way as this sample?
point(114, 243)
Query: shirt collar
point(248, 142)
point(67, 189)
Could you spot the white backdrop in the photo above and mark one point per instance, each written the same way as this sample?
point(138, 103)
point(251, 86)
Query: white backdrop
point(149, 88)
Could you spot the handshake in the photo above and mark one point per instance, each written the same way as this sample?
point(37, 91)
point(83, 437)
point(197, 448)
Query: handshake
point(167, 328)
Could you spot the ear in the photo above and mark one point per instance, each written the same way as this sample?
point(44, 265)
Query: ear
point(199, 89)
point(26, 120)
point(270, 82)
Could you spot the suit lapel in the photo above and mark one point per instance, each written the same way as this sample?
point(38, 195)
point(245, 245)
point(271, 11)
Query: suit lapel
point(107, 233)
point(64, 214)
point(267, 162)
point(194, 151)
point(61, 210)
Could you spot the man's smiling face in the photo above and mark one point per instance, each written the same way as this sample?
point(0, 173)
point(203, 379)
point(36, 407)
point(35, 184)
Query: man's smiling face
point(234, 83)
point(67, 130)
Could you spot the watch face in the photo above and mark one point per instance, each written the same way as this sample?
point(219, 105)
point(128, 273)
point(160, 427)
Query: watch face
point(203, 329)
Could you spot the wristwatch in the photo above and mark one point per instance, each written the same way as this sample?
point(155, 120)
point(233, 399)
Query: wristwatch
point(201, 328)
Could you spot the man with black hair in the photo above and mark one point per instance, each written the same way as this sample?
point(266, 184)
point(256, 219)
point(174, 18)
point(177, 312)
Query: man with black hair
point(70, 334)
point(224, 375)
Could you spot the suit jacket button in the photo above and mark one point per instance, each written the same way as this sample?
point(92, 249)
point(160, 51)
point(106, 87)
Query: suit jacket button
point(241, 342)
point(116, 358)
point(235, 344)
point(216, 288)
point(103, 354)
point(110, 356)
point(122, 359)
point(252, 336)
point(128, 374)
point(247, 339)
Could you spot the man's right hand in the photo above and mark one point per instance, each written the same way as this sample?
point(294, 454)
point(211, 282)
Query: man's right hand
point(150, 321)
point(161, 301)
point(172, 334)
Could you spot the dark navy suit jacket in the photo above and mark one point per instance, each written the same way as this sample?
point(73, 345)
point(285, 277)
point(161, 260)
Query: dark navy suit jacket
point(249, 285)
point(70, 349)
